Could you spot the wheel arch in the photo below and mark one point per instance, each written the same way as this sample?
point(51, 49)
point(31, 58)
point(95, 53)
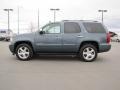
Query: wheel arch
point(95, 43)
point(23, 42)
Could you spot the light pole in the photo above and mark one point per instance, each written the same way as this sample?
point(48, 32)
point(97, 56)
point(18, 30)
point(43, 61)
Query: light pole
point(8, 10)
point(102, 11)
point(52, 9)
point(18, 22)
point(38, 19)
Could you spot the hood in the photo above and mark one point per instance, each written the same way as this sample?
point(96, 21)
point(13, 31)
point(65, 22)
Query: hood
point(23, 37)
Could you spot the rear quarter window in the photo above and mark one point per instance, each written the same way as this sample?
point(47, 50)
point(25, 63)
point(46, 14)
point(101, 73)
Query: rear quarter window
point(94, 27)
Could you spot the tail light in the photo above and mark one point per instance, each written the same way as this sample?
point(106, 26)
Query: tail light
point(108, 38)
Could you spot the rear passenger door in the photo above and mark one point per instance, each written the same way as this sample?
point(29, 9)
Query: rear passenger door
point(72, 32)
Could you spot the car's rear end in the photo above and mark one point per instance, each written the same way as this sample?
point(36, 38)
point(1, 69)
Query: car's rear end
point(98, 32)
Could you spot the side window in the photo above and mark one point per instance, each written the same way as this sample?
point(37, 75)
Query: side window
point(71, 27)
point(94, 27)
point(52, 28)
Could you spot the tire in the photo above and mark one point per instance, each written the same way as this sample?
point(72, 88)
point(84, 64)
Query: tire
point(7, 40)
point(117, 40)
point(24, 52)
point(88, 53)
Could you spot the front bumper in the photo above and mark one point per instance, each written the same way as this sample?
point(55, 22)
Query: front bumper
point(11, 47)
point(104, 47)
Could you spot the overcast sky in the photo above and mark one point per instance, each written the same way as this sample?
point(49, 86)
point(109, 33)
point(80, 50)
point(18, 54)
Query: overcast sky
point(69, 10)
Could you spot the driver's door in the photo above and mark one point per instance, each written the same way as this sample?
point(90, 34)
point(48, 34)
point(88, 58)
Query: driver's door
point(50, 42)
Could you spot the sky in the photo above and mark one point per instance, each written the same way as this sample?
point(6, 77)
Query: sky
point(69, 10)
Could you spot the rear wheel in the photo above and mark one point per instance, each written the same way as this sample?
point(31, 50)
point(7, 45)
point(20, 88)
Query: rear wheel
point(88, 52)
point(24, 52)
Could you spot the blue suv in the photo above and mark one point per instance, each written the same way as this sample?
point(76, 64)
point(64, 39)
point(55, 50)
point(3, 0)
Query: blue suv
point(69, 37)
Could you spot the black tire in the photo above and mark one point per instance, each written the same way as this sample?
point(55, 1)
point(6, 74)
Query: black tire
point(30, 50)
point(117, 40)
point(83, 48)
point(7, 39)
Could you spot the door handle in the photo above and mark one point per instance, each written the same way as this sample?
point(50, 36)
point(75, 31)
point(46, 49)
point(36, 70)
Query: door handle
point(58, 37)
point(80, 36)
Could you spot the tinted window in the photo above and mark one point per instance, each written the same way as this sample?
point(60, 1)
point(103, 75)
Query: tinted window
point(71, 27)
point(94, 27)
point(52, 28)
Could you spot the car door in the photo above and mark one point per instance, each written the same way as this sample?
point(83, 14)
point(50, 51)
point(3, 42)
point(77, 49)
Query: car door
point(50, 41)
point(71, 37)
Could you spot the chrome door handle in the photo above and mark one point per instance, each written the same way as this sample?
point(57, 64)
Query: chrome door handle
point(58, 37)
point(79, 36)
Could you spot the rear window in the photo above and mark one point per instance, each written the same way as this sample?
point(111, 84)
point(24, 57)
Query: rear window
point(94, 27)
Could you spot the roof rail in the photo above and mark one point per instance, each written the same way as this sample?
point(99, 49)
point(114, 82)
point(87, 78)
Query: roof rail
point(89, 20)
point(80, 20)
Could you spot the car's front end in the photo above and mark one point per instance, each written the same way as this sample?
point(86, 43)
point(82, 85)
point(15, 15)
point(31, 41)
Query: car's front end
point(12, 44)
point(18, 39)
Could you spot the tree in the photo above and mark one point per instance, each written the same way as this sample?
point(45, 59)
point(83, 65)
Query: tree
point(32, 27)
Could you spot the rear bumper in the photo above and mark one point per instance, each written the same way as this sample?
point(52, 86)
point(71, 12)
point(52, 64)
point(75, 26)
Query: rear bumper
point(11, 47)
point(104, 47)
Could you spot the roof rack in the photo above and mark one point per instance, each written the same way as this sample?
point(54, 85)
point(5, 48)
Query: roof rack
point(89, 20)
point(80, 20)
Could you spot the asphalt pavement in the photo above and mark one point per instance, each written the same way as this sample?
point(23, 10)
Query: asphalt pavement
point(60, 72)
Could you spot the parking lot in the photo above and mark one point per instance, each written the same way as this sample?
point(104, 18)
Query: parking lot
point(60, 72)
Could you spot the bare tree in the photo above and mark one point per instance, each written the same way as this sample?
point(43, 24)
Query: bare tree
point(32, 27)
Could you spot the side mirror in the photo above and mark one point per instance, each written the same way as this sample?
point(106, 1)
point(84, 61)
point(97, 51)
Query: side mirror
point(42, 32)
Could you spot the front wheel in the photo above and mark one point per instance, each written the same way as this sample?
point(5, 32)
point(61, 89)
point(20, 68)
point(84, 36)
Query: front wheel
point(88, 52)
point(24, 52)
